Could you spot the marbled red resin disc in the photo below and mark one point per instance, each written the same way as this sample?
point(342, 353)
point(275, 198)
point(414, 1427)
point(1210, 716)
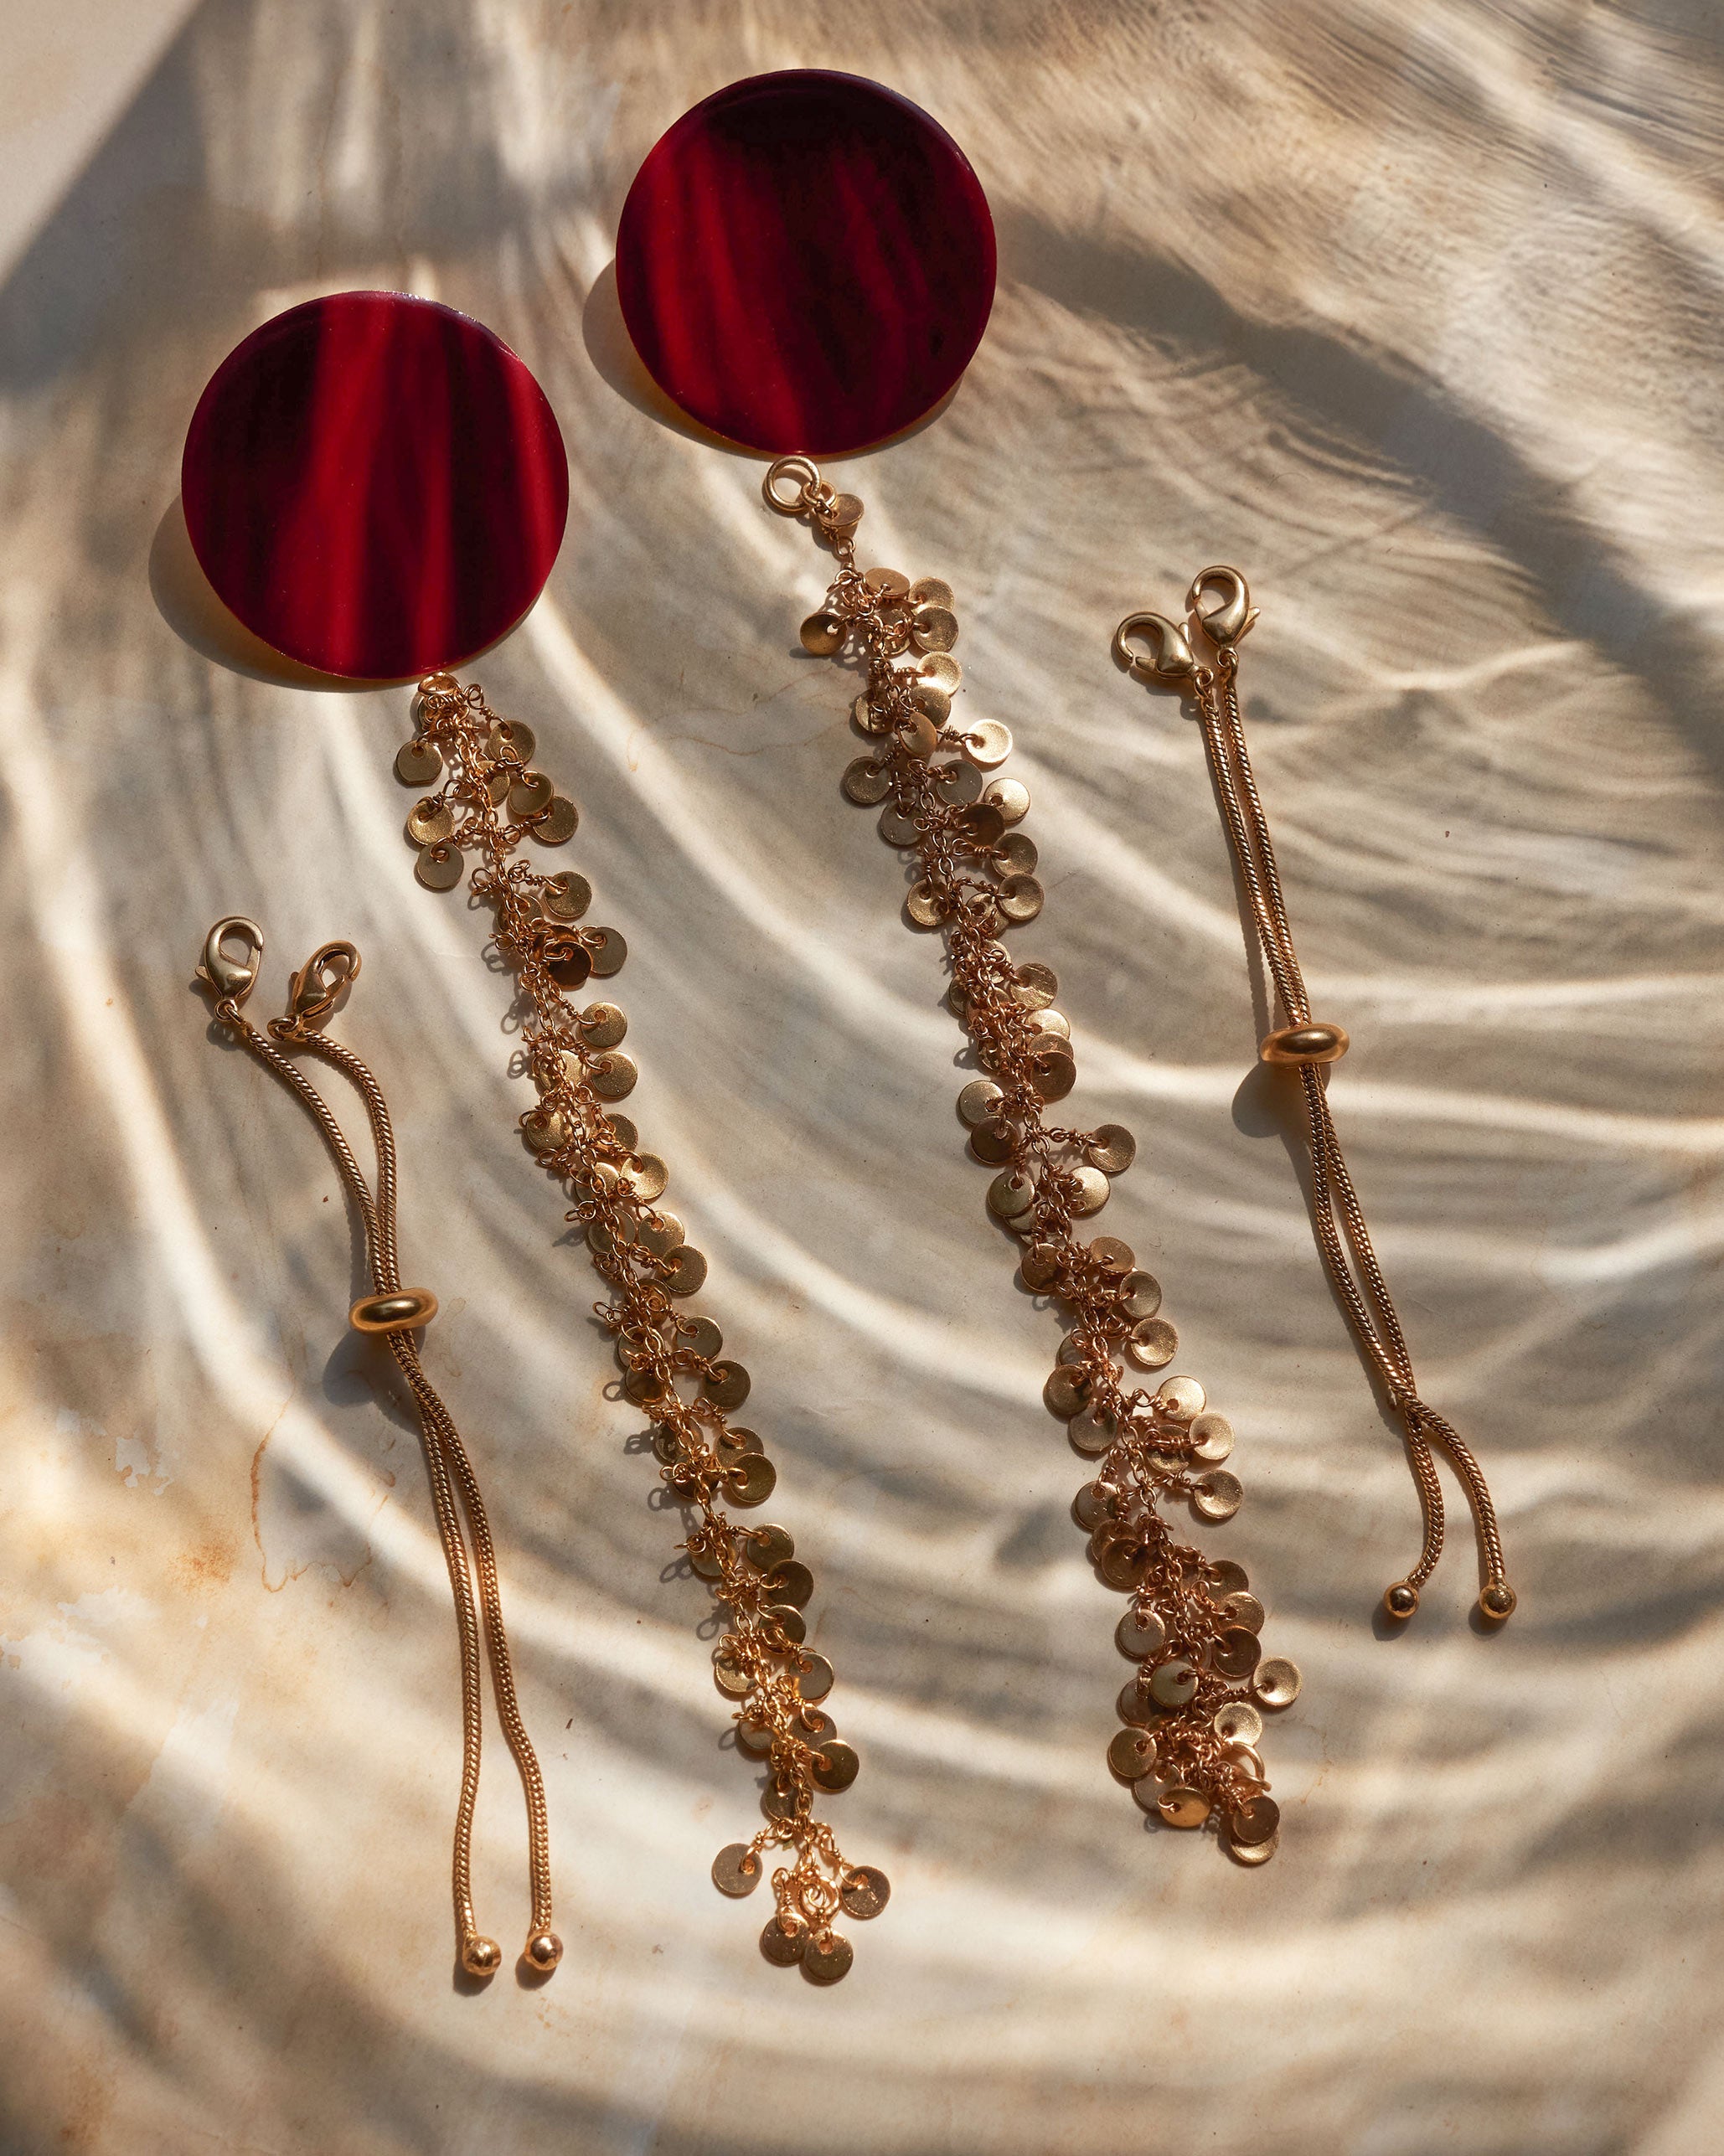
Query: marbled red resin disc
point(806, 262)
point(375, 485)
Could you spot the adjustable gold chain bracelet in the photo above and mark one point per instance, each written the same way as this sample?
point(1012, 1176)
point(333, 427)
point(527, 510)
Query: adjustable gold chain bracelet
point(491, 798)
point(1219, 609)
point(1191, 1712)
point(395, 1314)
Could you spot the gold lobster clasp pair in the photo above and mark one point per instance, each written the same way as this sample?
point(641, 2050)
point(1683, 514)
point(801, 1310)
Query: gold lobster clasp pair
point(313, 991)
point(1218, 603)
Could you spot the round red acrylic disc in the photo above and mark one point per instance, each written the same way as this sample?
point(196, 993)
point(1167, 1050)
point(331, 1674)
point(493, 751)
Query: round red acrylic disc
point(375, 485)
point(806, 262)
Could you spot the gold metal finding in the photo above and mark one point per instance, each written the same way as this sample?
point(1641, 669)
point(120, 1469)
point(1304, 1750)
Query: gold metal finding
point(394, 1313)
point(1197, 1659)
point(1219, 609)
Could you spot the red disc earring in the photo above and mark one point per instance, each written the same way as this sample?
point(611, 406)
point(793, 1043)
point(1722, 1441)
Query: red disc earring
point(375, 485)
point(806, 262)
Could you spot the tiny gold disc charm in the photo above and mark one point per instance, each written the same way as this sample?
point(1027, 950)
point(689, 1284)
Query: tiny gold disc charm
point(737, 1871)
point(431, 823)
point(1181, 1807)
point(1036, 985)
point(836, 1766)
point(439, 868)
point(1212, 1439)
point(1141, 1634)
point(1093, 1431)
point(1238, 1722)
point(865, 1891)
point(768, 1544)
point(1135, 1706)
point(1016, 855)
point(566, 897)
point(608, 952)
point(1053, 1070)
point(888, 584)
point(1217, 1497)
point(612, 1076)
point(1245, 1610)
point(1277, 1682)
point(1253, 1853)
point(1011, 798)
point(1139, 1296)
point(898, 830)
point(977, 1102)
point(783, 1941)
point(933, 704)
point(866, 783)
point(791, 1582)
point(827, 1957)
point(960, 784)
point(988, 745)
point(558, 824)
point(1095, 1502)
point(923, 906)
point(729, 1677)
point(752, 1480)
point(660, 1235)
point(510, 741)
point(1122, 1564)
point(789, 1620)
point(943, 671)
point(1236, 1653)
point(1040, 1264)
point(1113, 1149)
point(1067, 1393)
point(1174, 1682)
point(933, 628)
point(417, 763)
point(601, 1025)
point(1224, 1577)
point(1113, 1255)
point(822, 634)
point(1182, 1398)
point(1020, 897)
point(1256, 1823)
point(529, 793)
point(701, 1336)
point(727, 1385)
point(1010, 1194)
point(1132, 1754)
point(816, 1679)
point(1153, 1343)
point(931, 591)
point(688, 1271)
point(1093, 1190)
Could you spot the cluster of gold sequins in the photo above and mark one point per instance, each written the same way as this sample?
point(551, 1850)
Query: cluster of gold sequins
point(1189, 1739)
point(494, 773)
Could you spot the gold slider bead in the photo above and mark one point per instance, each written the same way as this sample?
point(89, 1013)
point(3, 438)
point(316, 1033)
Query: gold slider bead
point(404, 1312)
point(1498, 1601)
point(1310, 1042)
point(544, 1950)
point(1401, 1601)
point(481, 1957)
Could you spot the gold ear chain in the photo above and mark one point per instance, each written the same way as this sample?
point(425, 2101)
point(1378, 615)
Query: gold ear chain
point(490, 800)
point(396, 1314)
point(1190, 1713)
point(1220, 611)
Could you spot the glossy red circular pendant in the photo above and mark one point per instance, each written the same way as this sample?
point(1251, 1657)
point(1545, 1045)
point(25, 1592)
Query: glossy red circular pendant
point(806, 262)
point(375, 485)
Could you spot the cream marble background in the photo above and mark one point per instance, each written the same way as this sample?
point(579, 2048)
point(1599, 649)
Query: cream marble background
point(1410, 307)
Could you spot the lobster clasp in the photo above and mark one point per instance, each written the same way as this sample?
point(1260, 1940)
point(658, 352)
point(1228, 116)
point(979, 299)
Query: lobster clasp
point(1227, 619)
point(315, 989)
point(1168, 659)
point(230, 980)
